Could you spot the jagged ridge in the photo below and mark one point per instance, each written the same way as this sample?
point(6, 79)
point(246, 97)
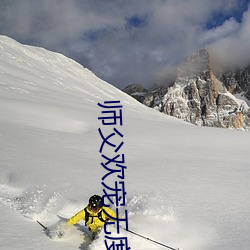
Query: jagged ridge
point(200, 96)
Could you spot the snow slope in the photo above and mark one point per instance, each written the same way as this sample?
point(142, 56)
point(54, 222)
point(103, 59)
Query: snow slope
point(186, 186)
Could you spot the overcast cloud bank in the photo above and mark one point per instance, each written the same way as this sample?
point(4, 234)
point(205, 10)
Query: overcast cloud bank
point(131, 41)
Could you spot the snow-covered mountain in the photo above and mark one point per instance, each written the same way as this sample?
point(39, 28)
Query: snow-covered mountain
point(187, 186)
point(201, 96)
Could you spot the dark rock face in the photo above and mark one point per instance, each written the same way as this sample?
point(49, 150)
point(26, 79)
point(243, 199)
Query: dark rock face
point(237, 81)
point(200, 97)
point(137, 91)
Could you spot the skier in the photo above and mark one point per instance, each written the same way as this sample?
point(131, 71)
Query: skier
point(93, 215)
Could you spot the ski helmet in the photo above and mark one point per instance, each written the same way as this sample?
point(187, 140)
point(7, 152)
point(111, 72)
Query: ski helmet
point(95, 202)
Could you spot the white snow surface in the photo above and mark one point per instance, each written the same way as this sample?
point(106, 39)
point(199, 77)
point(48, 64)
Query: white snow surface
point(187, 186)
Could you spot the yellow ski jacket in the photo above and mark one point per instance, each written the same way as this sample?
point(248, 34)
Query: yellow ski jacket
point(94, 223)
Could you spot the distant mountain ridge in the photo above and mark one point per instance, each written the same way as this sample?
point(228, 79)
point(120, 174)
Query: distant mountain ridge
point(202, 96)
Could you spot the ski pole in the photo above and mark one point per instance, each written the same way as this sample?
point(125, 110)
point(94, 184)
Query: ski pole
point(159, 243)
point(45, 228)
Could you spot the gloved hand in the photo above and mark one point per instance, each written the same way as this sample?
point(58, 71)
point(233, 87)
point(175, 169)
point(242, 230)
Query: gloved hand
point(60, 233)
point(58, 230)
point(62, 230)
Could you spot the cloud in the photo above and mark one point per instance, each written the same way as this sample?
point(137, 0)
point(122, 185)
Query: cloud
point(233, 49)
point(228, 28)
point(121, 41)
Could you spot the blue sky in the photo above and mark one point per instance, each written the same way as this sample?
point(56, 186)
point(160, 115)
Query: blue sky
point(131, 41)
point(218, 17)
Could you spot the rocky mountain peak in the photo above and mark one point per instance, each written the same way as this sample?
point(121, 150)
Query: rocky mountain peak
point(200, 96)
point(196, 64)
